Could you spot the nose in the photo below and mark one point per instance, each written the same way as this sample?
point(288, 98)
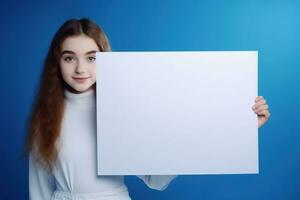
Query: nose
point(79, 68)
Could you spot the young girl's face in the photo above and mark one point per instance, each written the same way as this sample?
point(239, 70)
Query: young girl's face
point(78, 62)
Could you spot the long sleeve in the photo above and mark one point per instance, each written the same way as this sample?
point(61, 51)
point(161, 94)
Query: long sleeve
point(157, 182)
point(41, 183)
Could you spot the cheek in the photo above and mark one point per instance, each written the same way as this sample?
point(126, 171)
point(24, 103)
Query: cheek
point(93, 74)
point(66, 70)
point(93, 71)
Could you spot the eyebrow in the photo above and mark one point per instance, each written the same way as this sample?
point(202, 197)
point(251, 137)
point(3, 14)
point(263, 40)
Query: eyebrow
point(72, 52)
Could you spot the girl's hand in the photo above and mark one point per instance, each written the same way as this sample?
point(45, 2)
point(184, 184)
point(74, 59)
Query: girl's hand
point(262, 110)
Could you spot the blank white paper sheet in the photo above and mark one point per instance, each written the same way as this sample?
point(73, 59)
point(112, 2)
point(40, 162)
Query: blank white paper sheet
point(177, 113)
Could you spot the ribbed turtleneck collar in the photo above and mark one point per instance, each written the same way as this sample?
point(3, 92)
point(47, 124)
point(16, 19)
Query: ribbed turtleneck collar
point(84, 99)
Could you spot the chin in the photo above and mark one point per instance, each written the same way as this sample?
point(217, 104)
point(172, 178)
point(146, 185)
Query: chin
point(82, 88)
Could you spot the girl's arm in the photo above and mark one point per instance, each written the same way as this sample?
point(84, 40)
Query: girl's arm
point(157, 182)
point(41, 182)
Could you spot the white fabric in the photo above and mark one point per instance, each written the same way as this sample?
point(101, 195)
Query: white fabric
point(76, 176)
point(117, 193)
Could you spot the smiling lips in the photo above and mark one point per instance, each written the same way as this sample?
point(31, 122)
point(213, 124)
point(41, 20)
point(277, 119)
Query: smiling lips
point(80, 79)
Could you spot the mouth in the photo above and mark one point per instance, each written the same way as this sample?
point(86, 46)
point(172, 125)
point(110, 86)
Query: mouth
point(80, 79)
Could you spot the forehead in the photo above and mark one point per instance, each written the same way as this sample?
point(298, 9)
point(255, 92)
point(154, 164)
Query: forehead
point(79, 44)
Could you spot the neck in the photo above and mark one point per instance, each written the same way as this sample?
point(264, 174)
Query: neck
point(83, 99)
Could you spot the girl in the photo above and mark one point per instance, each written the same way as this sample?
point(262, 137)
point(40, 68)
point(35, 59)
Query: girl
point(62, 132)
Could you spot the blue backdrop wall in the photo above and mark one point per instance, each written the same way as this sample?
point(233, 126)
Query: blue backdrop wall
point(271, 27)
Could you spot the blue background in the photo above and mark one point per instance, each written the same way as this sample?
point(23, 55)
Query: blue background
point(271, 27)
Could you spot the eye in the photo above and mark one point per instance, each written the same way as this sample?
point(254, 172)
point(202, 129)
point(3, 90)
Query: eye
point(91, 58)
point(68, 58)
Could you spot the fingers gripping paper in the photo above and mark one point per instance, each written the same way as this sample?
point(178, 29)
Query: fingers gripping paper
point(161, 113)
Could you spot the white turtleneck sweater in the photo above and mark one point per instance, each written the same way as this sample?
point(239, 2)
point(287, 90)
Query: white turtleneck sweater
point(76, 171)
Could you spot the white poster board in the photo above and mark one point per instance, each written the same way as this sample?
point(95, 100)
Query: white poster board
point(165, 113)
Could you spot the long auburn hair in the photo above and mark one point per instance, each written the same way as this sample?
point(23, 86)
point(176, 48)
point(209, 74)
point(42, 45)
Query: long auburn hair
point(47, 113)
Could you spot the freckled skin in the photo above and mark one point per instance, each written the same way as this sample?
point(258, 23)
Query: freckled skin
point(79, 64)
